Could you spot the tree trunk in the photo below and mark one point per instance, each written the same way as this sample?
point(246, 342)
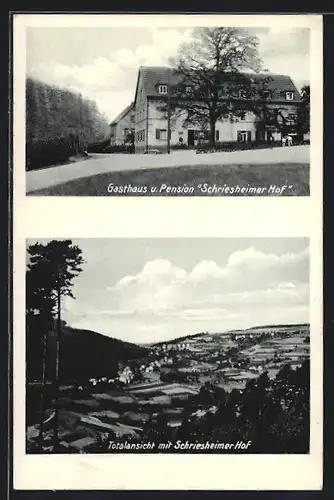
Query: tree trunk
point(41, 408)
point(77, 144)
point(212, 134)
point(56, 385)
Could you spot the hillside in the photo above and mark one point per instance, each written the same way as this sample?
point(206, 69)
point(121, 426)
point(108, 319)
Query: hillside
point(179, 339)
point(239, 331)
point(83, 354)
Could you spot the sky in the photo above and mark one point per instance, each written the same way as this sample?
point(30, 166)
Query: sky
point(151, 290)
point(102, 63)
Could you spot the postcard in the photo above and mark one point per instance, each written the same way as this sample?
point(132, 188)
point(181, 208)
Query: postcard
point(167, 248)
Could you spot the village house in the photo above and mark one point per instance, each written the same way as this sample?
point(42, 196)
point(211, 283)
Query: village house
point(122, 127)
point(155, 84)
point(126, 375)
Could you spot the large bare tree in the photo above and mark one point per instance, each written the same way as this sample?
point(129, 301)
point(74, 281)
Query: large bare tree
point(214, 74)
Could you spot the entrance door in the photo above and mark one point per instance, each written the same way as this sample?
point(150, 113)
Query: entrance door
point(242, 136)
point(191, 137)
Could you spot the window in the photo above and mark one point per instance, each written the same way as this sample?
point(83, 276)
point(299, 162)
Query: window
point(163, 89)
point(217, 135)
point(243, 94)
point(142, 135)
point(266, 94)
point(132, 118)
point(161, 134)
point(188, 89)
point(289, 96)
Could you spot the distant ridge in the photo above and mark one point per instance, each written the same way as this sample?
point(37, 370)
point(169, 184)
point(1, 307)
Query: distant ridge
point(245, 330)
point(292, 325)
point(178, 339)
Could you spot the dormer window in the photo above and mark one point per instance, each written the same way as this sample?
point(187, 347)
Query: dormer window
point(163, 89)
point(289, 96)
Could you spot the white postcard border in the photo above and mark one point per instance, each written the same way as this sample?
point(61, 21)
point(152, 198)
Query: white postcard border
point(207, 217)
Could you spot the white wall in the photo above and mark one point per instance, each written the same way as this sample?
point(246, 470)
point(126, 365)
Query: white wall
point(227, 131)
point(140, 115)
point(157, 119)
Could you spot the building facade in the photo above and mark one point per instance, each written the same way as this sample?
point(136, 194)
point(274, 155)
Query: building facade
point(154, 86)
point(122, 127)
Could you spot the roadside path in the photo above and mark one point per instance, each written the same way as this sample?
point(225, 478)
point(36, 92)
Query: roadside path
point(104, 163)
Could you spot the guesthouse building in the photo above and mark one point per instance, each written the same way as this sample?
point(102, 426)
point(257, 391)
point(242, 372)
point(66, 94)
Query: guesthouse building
point(155, 89)
point(122, 127)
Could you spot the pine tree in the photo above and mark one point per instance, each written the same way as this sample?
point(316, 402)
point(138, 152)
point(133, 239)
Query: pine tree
point(57, 263)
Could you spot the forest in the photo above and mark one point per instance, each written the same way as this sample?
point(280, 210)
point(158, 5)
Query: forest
point(59, 124)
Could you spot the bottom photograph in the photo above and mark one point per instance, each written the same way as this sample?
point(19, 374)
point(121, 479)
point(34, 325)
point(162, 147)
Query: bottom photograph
point(169, 345)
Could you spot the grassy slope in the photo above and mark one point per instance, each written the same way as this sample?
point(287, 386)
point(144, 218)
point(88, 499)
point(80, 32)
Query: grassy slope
point(295, 174)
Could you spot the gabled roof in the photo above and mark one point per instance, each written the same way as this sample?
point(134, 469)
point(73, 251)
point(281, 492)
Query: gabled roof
point(122, 114)
point(153, 76)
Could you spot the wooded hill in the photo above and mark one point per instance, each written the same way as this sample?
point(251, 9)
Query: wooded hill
point(59, 124)
point(83, 354)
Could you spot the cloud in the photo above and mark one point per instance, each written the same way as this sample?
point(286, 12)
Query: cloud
point(160, 285)
point(286, 50)
point(110, 79)
point(252, 288)
point(291, 41)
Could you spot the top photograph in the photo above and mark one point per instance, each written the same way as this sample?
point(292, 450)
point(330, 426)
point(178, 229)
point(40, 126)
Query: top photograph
point(167, 111)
